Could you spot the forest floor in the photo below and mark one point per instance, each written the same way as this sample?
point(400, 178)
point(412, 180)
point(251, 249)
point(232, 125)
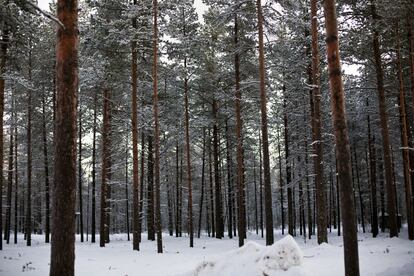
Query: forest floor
point(381, 256)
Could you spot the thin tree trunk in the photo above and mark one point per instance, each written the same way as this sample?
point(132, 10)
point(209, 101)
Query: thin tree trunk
point(373, 178)
point(177, 193)
point(16, 182)
point(63, 222)
point(156, 130)
point(134, 123)
point(308, 193)
point(241, 203)
point(202, 184)
point(9, 187)
point(3, 55)
point(411, 55)
point(288, 171)
point(282, 209)
point(105, 171)
point(263, 109)
point(188, 157)
point(141, 187)
point(404, 141)
point(126, 191)
point(80, 190)
point(150, 192)
point(169, 206)
point(392, 216)
point(317, 129)
point(341, 140)
point(218, 193)
point(93, 219)
point(229, 184)
point(261, 185)
point(29, 158)
point(46, 165)
point(360, 196)
point(210, 164)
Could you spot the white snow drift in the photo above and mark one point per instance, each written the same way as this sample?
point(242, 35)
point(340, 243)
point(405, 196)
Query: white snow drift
point(255, 259)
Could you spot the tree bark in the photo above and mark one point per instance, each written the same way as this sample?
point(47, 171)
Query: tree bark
point(46, 165)
point(202, 183)
point(373, 178)
point(361, 200)
point(105, 171)
point(288, 170)
point(80, 189)
point(93, 219)
point(150, 191)
point(229, 184)
point(134, 122)
point(263, 109)
point(404, 139)
point(9, 188)
point(317, 127)
point(156, 130)
point(3, 55)
point(392, 215)
point(188, 157)
point(29, 157)
point(218, 193)
point(16, 178)
point(241, 203)
point(341, 140)
point(63, 220)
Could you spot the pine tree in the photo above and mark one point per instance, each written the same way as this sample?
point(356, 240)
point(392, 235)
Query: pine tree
point(341, 140)
point(63, 223)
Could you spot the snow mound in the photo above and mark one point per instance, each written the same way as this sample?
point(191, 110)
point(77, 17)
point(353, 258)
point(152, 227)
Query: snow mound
point(282, 258)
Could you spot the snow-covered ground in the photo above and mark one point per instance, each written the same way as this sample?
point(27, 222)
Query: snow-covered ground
point(381, 256)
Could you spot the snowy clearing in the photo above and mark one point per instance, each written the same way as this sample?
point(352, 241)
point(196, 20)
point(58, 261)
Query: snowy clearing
point(382, 256)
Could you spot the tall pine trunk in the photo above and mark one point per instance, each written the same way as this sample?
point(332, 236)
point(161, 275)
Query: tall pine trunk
point(80, 171)
point(342, 141)
point(218, 193)
point(241, 203)
point(9, 187)
point(134, 122)
point(63, 221)
point(392, 214)
point(156, 130)
point(263, 109)
point(404, 139)
point(317, 128)
point(3, 56)
point(93, 219)
point(29, 157)
point(46, 165)
point(188, 157)
point(105, 171)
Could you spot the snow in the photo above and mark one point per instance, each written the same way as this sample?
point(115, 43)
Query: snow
point(255, 259)
point(287, 257)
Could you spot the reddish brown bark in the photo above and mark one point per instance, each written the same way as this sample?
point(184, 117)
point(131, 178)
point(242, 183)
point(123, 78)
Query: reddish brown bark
point(404, 139)
point(63, 221)
point(341, 141)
